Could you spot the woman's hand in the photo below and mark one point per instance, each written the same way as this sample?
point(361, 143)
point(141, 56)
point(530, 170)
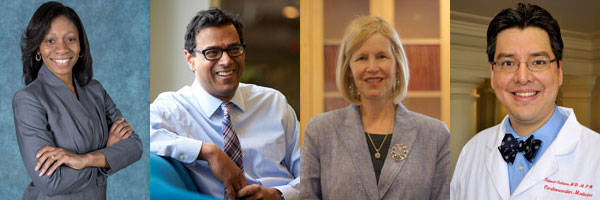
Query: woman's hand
point(120, 130)
point(50, 158)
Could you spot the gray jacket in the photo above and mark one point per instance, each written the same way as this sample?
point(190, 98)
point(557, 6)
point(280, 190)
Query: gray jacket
point(336, 163)
point(47, 113)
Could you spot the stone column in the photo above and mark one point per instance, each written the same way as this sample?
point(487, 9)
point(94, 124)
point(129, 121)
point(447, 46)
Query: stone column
point(463, 117)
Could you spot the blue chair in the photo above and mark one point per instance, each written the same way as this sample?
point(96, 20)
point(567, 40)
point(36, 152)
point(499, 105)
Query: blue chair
point(169, 179)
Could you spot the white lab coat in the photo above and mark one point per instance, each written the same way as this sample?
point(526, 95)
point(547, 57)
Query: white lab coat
point(568, 169)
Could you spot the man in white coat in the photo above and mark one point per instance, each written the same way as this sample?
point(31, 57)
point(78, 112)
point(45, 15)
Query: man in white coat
point(539, 151)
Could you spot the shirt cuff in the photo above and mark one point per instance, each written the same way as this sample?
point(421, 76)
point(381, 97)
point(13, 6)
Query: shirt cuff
point(288, 192)
point(187, 152)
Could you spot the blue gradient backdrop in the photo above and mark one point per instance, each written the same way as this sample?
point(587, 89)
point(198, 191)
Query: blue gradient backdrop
point(119, 35)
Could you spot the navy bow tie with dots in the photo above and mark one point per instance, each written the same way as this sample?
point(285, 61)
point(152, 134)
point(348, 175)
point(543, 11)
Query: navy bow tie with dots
point(511, 146)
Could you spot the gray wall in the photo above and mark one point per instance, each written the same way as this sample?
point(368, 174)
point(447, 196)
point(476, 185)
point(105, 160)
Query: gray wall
point(119, 35)
point(169, 19)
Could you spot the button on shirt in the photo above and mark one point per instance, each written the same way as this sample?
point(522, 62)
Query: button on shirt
point(547, 133)
point(265, 124)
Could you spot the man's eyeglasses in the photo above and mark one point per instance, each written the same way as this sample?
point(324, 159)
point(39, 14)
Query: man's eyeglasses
point(534, 64)
point(214, 53)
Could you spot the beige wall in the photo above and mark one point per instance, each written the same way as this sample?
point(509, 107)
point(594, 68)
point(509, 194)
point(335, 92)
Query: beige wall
point(422, 17)
point(335, 21)
point(168, 21)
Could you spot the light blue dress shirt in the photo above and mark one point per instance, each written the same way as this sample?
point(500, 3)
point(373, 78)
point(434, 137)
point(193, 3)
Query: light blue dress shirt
point(264, 122)
point(547, 133)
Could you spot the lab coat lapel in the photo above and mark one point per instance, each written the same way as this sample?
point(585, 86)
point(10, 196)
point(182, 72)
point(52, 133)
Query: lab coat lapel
point(351, 133)
point(496, 166)
point(565, 143)
point(405, 134)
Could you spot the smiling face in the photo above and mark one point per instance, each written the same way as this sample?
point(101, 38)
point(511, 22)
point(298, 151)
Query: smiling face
point(529, 96)
point(60, 47)
point(221, 77)
point(373, 69)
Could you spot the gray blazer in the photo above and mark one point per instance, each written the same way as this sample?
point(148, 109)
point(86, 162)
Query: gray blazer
point(336, 163)
point(47, 113)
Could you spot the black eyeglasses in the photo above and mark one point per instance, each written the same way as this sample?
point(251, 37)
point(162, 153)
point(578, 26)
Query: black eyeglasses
point(214, 53)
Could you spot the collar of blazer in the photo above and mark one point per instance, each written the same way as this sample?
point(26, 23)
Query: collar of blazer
point(351, 133)
point(565, 143)
point(44, 74)
point(82, 105)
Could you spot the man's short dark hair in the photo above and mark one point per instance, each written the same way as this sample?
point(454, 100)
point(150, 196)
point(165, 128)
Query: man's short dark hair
point(522, 17)
point(213, 17)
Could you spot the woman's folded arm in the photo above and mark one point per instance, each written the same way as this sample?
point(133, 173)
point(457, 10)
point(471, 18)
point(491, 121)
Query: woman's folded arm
point(124, 152)
point(32, 135)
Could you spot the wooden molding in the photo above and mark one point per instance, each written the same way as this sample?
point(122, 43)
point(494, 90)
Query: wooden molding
point(311, 61)
point(445, 61)
point(383, 9)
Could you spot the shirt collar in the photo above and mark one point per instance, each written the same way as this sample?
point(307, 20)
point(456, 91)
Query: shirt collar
point(210, 104)
point(547, 133)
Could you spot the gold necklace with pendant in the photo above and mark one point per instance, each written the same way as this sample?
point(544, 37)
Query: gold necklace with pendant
point(377, 154)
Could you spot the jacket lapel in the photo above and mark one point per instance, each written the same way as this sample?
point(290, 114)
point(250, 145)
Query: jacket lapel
point(565, 143)
point(495, 165)
point(95, 112)
point(351, 133)
point(89, 107)
point(73, 105)
point(405, 134)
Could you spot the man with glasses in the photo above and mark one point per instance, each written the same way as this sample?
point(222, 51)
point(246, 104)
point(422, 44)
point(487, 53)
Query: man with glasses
point(539, 151)
point(237, 140)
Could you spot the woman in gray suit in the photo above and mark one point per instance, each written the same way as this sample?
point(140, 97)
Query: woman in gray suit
point(374, 148)
point(62, 116)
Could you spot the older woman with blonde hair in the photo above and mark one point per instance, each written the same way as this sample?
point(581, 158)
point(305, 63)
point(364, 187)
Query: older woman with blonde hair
point(374, 148)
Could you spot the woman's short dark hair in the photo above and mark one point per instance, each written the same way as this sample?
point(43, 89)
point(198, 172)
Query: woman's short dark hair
point(213, 17)
point(525, 15)
point(36, 31)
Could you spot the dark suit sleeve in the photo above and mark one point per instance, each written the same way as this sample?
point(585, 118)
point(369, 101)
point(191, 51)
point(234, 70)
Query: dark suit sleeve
point(441, 179)
point(33, 133)
point(124, 152)
point(310, 169)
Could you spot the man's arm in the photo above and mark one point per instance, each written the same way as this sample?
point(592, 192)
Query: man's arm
point(223, 168)
point(291, 190)
point(166, 141)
